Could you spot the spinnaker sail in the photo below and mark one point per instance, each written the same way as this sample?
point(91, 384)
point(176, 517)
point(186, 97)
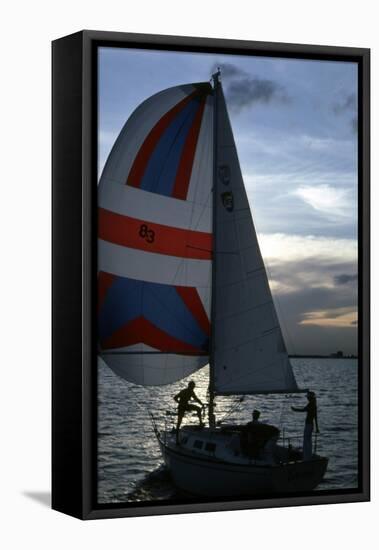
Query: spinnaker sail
point(155, 239)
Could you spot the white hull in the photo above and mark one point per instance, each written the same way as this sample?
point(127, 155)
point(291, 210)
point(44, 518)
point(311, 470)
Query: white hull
point(210, 476)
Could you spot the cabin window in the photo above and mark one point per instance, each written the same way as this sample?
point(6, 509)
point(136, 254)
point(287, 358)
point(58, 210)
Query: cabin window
point(210, 447)
point(198, 444)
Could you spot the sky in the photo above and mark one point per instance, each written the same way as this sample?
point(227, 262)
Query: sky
point(295, 127)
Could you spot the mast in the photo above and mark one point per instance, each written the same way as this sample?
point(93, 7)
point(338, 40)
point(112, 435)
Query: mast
point(211, 414)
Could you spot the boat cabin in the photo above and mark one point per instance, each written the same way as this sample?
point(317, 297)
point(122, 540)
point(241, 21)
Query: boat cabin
point(230, 443)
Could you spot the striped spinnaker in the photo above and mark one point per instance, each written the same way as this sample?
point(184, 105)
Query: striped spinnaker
point(155, 239)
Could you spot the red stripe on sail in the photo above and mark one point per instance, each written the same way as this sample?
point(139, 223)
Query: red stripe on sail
point(183, 174)
point(105, 280)
point(191, 298)
point(154, 237)
point(140, 162)
point(141, 331)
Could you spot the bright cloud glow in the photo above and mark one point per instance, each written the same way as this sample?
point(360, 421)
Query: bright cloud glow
point(279, 247)
point(341, 317)
point(327, 199)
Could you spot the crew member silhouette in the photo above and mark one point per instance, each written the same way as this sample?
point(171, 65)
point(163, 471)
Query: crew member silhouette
point(183, 399)
point(310, 419)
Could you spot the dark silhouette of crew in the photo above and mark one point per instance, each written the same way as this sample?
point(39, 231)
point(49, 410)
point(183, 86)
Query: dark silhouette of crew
point(310, 420)
point(256, 414)
point(255, 435)
point(183, 399)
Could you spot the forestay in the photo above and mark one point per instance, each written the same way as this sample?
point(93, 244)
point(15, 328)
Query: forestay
point(155, 239)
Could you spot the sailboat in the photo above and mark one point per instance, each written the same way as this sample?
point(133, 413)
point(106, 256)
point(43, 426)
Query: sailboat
point(182, 284)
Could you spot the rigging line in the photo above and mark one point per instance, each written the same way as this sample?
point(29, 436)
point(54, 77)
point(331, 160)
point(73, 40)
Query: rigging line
point(234, 408)
point(181, 262)
point(199, 151)
point(197, 183)
point(205, 136)
point(205, 206)
point(198, 248)
point(210, 250)
point(282, 409)
point(137, 403)
point(152, 395)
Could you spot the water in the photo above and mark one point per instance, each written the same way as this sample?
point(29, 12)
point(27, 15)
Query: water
point(129, 461)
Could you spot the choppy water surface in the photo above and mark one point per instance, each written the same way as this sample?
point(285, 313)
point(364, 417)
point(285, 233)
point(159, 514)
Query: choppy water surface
point(129, 461)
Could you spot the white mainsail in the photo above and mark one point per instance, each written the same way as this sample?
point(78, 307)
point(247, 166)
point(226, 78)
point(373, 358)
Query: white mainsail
point(249, 354)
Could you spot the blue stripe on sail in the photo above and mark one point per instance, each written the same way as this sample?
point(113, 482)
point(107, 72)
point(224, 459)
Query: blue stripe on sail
point(122, 304)
point(166, 310)
point(128, 299)
point(160, 173)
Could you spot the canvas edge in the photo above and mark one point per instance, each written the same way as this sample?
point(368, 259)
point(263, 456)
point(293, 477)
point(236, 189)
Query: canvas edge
point(67, 129)
point(90, 40)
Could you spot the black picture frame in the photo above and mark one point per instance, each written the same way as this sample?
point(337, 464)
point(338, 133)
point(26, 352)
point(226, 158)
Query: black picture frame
point(74, 204)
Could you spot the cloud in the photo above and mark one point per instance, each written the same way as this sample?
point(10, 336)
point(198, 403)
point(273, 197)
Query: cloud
point(343, 317)
point(311, 274)
point(315, 317)
point(327, 199)
point(318, 319)
point(279, 248)
point(244, 91)
point(247, 91)
point(308, 276)
point(344, 278)
point(318, 143)
point(228, 70)
point(348, 103)
point(299, 183)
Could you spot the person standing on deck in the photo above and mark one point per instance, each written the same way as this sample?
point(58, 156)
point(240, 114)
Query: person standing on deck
point(256, 415)
point(311, 418)
point(183, 398)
